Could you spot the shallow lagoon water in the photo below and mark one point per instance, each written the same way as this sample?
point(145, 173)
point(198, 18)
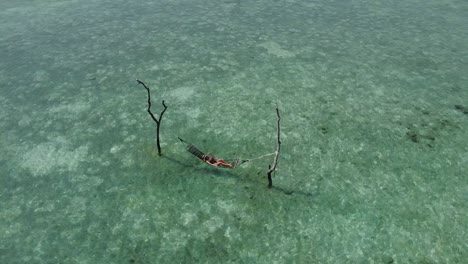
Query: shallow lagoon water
point(373, 98)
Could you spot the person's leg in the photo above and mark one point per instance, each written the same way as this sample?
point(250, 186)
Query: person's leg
point(224, 163)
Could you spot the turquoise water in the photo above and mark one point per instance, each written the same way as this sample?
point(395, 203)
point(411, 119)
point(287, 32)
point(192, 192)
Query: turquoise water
point(373, 97)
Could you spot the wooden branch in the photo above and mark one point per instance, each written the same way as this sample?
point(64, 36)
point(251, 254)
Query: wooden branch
point(158, 122)
point(271, 169)
point(270, 180)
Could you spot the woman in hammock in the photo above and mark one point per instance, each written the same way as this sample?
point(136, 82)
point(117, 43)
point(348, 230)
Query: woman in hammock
point(210, 159)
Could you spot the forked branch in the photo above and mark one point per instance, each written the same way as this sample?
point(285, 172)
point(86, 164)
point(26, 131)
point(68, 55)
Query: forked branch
point(157, 121)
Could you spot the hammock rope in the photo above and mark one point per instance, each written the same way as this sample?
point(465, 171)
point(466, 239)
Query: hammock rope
point(259, 157)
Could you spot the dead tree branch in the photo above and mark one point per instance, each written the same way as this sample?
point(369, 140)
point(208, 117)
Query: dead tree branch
point(271, 169)
point(157, 121)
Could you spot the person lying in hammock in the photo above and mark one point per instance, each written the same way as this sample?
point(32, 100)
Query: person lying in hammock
point(211, 160)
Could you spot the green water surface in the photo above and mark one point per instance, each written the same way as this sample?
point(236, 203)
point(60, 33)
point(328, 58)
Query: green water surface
point(373, 97)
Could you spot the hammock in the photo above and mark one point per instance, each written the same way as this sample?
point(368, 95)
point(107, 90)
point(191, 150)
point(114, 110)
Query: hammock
point(211, 160)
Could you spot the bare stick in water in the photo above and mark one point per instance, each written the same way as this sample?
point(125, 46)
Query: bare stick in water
point(271, 169)
point(157, 121)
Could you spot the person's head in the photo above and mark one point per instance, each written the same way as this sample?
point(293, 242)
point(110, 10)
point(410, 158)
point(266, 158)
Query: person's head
point(208, 158)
